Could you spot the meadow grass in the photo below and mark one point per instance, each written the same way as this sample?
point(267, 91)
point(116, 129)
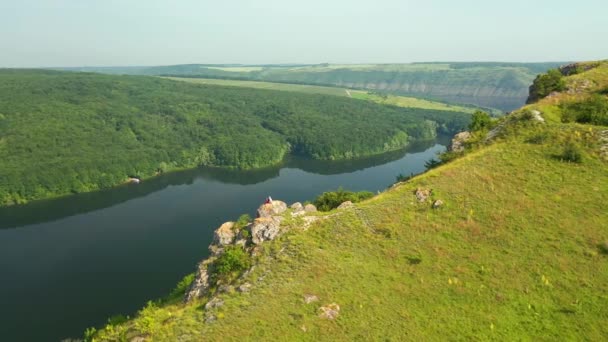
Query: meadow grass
point(394, 100)
point(513, 254)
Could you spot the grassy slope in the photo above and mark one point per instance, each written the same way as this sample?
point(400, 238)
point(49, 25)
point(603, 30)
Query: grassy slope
point(400, 101)
point(513, 254)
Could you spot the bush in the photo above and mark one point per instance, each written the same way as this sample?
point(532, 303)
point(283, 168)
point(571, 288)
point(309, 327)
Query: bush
point(331, 200)
point(480, 121)
point(571, 153)
point(592, 111)
point(545, 84)
point(234, 259)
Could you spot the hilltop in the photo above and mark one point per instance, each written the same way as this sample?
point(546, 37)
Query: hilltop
point(65, 132)
point(506, 240)
point(487, 84)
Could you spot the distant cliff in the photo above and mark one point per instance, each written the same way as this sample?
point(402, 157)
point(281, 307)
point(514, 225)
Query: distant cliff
point(498, 85)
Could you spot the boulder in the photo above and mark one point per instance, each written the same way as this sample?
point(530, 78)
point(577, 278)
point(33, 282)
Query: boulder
point(245, 288)
point(265, 229)
point(437, 204)
point(346, 205)
point(272, 209)
point(214, 303)
point(459, 140)
point(422, 194)
point(224, 235)
point(310, 298)
point(309, 208)
point(330, 311)
point(297, 208)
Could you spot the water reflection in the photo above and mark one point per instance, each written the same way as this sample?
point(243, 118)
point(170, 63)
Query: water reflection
point(50, 210)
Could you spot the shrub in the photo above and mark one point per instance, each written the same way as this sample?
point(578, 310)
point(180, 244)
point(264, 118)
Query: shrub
point(480, 121)
point(234, 259)
point(545, 84)
point(182, 286)
point(593, 110)
point(331, 200)
point(432, 163)
point(403, 178)
point(571, 153)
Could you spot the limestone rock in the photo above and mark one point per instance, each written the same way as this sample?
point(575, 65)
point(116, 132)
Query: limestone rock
point(200, 285)
point(437, 204)
point(346, 205)
point(422, 194)
point(224, 235)
point(536, 116)
point(310, 298)
point(459, 140)
point(309, 208)
point(210, 319)
point(297, 209)
point(265, 229)
point(245, 288)
point(225, 289)
point(214, 303)
point(330, 311)
point(272, 209)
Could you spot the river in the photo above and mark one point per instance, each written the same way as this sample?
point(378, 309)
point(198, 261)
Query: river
point(70, 263)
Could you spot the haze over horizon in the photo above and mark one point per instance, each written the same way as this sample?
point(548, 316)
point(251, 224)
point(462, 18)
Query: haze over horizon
point(70, 33)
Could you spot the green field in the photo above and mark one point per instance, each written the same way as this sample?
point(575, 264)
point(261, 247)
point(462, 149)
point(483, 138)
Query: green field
point(518, 251)
point(395, 100)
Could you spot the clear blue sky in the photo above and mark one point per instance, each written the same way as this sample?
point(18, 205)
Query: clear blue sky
point(155, 32)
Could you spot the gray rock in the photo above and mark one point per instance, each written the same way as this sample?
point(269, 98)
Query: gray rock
point(272, 209)
point(245, 288)
point(309, 208)
point(214, 303)
point(437, 204)
point(226, 288)
point(346, 205)
point(210, 319)
point(459, 140)
point(422, 194)
point(310, 298)
point(200, 285)
point(297, 207)
point(265, 229)
point(330, 311)
point(224, 235)
point(536, 116)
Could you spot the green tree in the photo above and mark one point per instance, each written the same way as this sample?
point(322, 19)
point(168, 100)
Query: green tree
point(480, 121)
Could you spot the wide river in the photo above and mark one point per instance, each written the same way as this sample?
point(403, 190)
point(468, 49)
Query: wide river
point(70, 263)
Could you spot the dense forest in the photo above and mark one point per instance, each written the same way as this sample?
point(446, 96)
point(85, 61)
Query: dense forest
point(64, 132)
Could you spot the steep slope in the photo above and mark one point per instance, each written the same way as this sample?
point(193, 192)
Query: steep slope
point(516, 249)
point(64, 132)
point(496, 85)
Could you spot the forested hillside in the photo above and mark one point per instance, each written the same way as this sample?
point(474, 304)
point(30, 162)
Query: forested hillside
point(498, 85)
point(66, 132)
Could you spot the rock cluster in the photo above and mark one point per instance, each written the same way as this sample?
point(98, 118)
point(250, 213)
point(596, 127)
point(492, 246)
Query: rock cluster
point(459, 140)
point(330, 311)
point(266, 227)
point(422, 194)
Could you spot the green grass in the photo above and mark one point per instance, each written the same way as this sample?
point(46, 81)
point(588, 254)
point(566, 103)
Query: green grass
point(512, 255)
point(400, 101)
point(515, 253)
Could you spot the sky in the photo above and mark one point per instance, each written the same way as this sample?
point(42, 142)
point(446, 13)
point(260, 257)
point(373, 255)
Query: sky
point(55, 33)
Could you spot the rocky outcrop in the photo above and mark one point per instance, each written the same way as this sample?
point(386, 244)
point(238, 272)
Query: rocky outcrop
point(422, 194)
point(265, 229)
point(346, 205)
point(200, 285)
point(271, 209)
point(459, 140)
point(224, 235)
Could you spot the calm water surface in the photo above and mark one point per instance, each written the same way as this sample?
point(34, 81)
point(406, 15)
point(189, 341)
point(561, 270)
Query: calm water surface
point(71, 263)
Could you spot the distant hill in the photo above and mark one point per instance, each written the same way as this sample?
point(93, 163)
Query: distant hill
point(65, 132)
point(488, 84)
point(506, 240)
